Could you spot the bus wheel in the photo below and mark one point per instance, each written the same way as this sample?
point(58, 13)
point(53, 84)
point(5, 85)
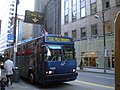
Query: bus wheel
point(31, 78)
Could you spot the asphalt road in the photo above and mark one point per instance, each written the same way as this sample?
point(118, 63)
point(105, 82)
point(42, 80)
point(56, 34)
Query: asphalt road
point(97, 78)
point(85, 81)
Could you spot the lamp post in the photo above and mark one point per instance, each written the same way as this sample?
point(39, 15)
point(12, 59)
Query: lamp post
point(104, 42)
point(14, 41)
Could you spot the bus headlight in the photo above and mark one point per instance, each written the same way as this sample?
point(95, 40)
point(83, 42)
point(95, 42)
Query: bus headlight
point(74, 70)
point(49, 72)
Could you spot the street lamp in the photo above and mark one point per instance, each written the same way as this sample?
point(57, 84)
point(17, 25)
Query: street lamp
point(14, 41)
point(103, 21)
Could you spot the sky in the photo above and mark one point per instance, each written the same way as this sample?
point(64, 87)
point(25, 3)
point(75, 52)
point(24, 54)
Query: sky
point(22, 6)
point(25, 5)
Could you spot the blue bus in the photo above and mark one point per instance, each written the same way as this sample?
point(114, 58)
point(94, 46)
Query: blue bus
point(47, 59)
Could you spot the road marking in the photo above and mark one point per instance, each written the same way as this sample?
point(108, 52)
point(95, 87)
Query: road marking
point(93, 84)
point(105, 77)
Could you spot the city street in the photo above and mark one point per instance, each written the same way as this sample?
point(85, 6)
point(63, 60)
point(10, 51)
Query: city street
point(85, 81)
point(49, 41)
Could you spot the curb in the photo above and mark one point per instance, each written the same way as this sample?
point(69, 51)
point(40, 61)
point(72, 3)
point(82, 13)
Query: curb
point(102, 72)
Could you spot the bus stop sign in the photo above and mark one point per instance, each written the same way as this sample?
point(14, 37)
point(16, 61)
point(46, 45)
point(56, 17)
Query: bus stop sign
point(33, 17)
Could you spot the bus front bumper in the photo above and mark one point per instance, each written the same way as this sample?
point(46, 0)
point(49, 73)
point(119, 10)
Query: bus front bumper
point(56, 78)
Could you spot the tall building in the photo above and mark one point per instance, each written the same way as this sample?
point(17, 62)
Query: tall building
point(8, 10)
point(51, 10)
point(23, 30)
point(0, 27)
point(78, 21)
point(39, 7)
point(53, 17)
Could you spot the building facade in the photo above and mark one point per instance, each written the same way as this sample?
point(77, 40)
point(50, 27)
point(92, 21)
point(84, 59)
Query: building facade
point(53, 17)
point(78, 21)
point(51, 10)
point(8, 11)
point(39, 7)
point(0, 27)
point(24, 31)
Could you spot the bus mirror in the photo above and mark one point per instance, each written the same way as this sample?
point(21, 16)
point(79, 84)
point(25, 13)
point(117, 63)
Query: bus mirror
point(48, 52)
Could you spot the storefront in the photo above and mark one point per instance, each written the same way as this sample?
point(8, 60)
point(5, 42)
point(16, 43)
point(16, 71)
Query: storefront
point(91, 52)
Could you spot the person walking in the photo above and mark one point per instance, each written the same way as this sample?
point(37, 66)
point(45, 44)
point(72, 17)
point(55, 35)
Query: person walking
point(9, 70)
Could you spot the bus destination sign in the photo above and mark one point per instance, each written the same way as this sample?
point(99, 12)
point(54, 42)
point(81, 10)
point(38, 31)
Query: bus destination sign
point(58, 39)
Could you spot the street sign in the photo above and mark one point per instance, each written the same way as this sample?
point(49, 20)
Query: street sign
point(10, 37)
point(33, 17)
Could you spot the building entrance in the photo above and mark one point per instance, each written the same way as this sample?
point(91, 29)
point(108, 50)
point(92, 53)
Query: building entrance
point(90, 61)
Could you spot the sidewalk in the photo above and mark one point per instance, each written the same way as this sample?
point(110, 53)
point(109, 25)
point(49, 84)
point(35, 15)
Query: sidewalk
point(97, 70)
point(21, 86)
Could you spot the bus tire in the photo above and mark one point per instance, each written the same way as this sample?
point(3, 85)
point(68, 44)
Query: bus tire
point(31, 77)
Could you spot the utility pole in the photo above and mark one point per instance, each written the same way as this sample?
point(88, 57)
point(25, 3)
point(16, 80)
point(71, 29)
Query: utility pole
point(104, 41)
point(14, 41)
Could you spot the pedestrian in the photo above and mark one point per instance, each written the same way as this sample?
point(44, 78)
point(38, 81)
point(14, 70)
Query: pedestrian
point(9, 70)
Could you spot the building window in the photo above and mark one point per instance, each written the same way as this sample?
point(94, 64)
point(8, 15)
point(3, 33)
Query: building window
point(108, 27)
point(9, 22)
point(94, 30)
point(83, 33)
point(82, 8)
point(11, 9)
point(13, 1)
point(74, 34)
point(66, 34)
point(12, 5)
point(11, 13)
point(66, 9)
point(118, 2)
point(93, 6)
point(106, 4)
point(74, 10)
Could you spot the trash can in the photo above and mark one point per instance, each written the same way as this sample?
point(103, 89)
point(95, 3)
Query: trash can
point(16, 76)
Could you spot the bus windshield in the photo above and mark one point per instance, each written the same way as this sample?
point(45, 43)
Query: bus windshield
point(60, 52)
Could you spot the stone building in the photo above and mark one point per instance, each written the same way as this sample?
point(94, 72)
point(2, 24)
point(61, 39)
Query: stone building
point(78, 21)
